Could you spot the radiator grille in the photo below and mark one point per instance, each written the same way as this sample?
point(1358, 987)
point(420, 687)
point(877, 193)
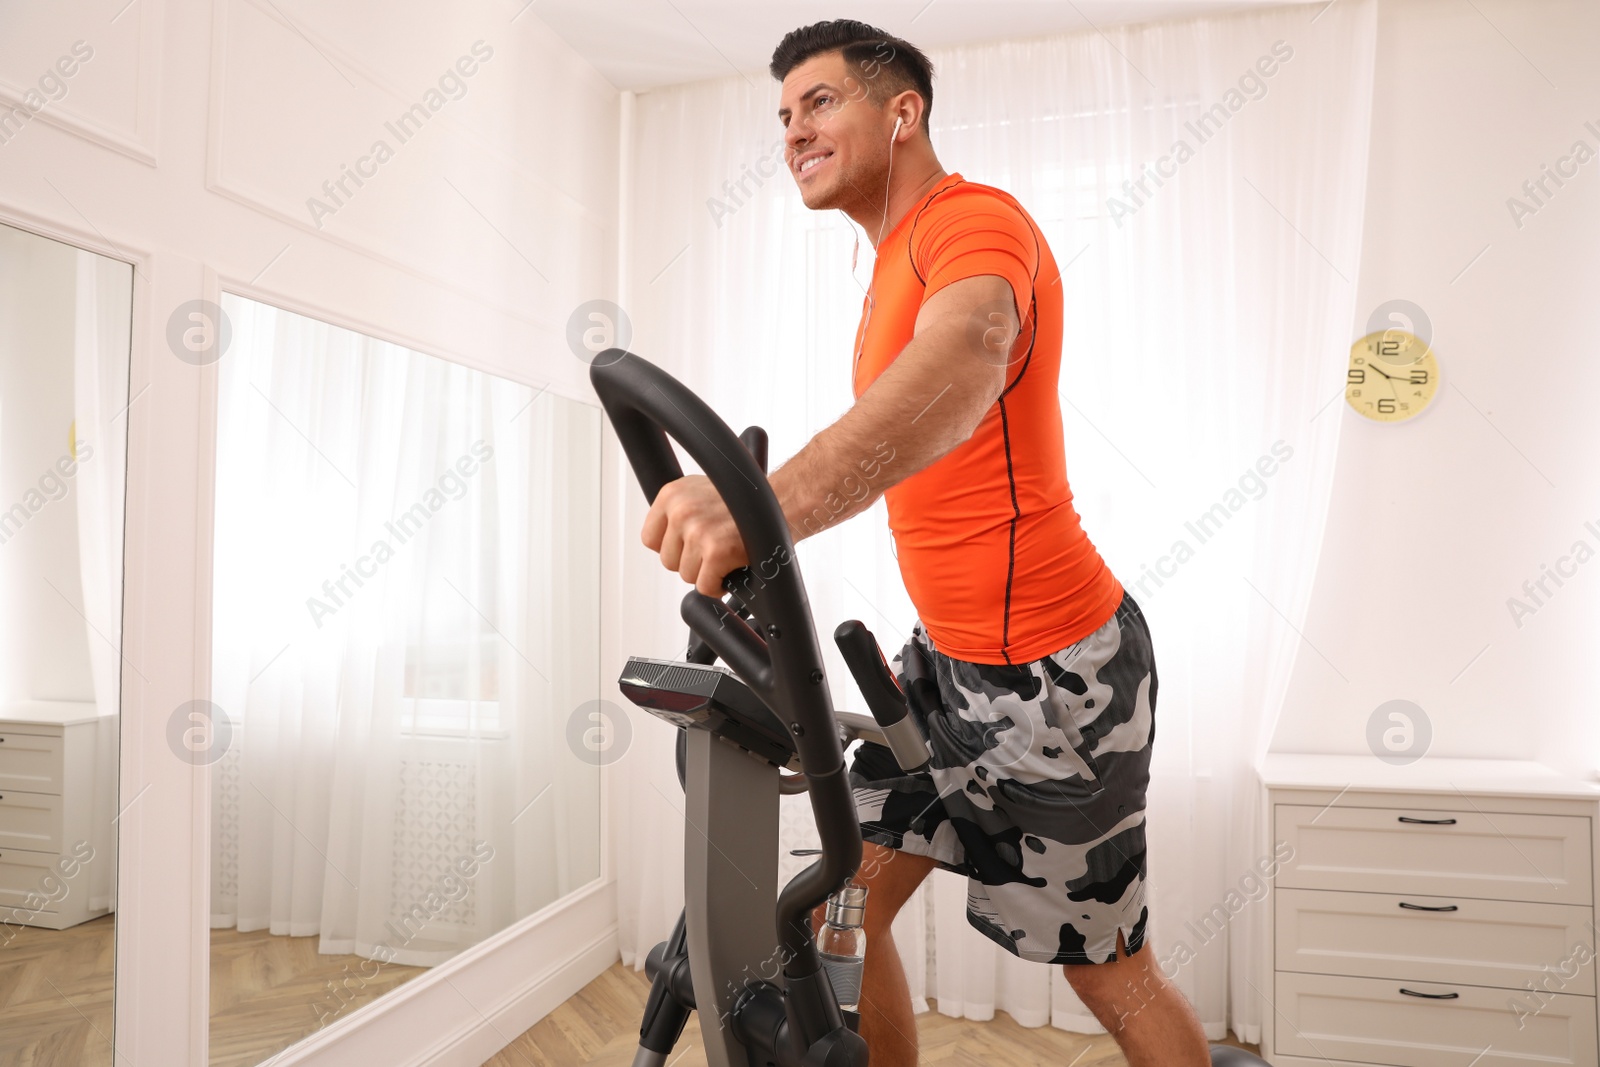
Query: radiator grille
point(225, 835)
point(435, 819)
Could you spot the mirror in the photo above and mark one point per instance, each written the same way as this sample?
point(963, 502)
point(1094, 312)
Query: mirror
point(65, 322)
point(405, 649)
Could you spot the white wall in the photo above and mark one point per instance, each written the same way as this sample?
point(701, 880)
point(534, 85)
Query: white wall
point(1436, 523)
point(44, 645)
point(187, 140)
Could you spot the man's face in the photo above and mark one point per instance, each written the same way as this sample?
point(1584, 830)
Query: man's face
point(836, 139)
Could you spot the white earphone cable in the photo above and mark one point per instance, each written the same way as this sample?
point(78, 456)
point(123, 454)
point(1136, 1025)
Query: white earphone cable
point(877, 245)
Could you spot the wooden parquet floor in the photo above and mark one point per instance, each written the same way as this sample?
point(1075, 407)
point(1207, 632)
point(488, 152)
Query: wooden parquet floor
point(55, 996)
point(267, 992)
point(600, 1028)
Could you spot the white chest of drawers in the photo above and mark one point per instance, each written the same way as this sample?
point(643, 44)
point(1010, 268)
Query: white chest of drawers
point(1436, 914)
point(57, 801)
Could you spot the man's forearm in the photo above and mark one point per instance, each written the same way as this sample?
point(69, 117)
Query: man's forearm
point(915, 412)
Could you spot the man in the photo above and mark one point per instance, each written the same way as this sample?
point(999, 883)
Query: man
point(1042, 683)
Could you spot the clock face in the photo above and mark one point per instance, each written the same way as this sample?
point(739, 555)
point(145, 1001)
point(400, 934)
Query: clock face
point(1392, 376)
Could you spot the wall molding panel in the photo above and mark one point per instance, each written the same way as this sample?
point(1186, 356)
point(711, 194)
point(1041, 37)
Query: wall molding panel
point(189, 145)
point(135, 31)
point(436, 167)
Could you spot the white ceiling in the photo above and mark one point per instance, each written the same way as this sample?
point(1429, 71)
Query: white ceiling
point(645, 44)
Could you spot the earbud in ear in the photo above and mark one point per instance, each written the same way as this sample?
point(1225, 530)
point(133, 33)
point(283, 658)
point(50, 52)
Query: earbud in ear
point(896, 128)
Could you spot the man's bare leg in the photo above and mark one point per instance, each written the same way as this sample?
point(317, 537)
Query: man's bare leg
point(887, 1023)
point(1152, 1022)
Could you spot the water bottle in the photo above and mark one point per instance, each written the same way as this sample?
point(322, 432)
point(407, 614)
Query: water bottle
point(843, 944)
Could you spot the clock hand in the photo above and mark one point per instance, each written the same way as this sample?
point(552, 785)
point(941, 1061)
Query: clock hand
point(1390, 379)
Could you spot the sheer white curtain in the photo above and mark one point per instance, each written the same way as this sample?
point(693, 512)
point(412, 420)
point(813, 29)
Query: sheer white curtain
point(1207, 318)
point(403, 621)
point(102, 326)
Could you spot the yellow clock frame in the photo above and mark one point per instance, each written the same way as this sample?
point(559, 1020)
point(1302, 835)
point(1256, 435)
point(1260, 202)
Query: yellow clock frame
point(1393, 375)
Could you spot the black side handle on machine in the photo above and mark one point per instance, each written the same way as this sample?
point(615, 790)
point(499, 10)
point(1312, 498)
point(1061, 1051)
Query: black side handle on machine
point(649, 409)
point(885, 699)
point(754, 440)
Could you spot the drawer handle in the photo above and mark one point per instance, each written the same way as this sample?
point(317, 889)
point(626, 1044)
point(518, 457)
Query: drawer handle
point(1428, 822)
point(1429, 996)
point(1425, 907)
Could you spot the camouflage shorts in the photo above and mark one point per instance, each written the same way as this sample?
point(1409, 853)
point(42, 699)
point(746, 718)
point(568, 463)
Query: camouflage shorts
point(1036, 791)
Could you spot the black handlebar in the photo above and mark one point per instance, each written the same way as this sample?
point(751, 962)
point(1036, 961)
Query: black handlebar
point(889, 705)
point(877, 683)
point(778, 657)
point(754, 440)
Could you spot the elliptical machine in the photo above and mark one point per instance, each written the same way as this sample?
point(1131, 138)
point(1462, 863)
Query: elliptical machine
point(763, 996)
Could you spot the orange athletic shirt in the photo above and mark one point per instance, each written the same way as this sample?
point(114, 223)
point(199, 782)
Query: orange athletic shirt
point(990, 548)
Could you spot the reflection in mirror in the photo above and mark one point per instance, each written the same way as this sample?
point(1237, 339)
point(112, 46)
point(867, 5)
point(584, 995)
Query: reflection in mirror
point(65, 319)
point(405, 634)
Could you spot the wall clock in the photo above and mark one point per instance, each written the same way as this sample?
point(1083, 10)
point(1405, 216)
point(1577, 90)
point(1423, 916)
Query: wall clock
point(1392, 376)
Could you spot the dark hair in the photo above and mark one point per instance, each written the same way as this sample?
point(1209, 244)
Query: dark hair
point(888, 64)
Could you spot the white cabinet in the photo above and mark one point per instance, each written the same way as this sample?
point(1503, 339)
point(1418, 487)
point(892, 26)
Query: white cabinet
point(57, 806)
point(1434, 914)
